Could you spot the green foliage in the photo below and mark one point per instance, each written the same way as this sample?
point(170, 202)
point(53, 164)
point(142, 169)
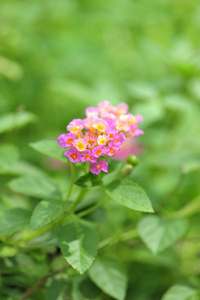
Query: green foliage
point(159, 233)
point(46, 211)
point(57, 58)
point(50, 148)
point(88, 181)
point(14, 220)
point(181, 292)
point(109, 276)
point(130, 194)
point(36, 186)
point(14, 121)
point(78, 242)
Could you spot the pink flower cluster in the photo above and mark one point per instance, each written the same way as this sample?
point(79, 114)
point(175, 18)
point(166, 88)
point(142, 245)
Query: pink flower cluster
point(101, 133)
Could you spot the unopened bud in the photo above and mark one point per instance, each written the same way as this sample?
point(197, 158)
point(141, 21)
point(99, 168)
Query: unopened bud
point(132, 160)
point(126, 171)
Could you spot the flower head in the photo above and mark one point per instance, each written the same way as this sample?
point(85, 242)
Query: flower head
point(101, 133)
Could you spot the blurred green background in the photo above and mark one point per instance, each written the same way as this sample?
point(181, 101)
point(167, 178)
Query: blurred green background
point(58, 57)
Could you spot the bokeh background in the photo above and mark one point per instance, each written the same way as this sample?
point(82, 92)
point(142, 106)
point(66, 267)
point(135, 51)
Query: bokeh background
point(59, 56)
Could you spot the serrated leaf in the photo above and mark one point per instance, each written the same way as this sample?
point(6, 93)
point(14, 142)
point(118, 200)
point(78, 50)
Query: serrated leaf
point(78, 242)
point(39, 186)
point(88, 181)
point(181, 292)
point(14, 220)
point(50, 148)
point(158, 233)
point(46, 211)
point(129, 194)
point(12, 121)
point(109, 276)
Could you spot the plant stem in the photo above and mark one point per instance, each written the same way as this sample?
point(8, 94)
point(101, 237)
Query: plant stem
point(71, 181)
point(41, 282)
point(125, 236)
point(94, 207)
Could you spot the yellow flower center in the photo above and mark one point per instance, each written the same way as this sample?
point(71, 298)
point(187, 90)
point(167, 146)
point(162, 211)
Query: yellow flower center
point(100, 127)
point(80, 146)
point(76, 128)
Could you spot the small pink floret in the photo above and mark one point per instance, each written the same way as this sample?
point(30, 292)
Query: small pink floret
point(134, 131)
point(119, 138)
point(122, 108)
point(99, 166)
point(87, 156)
point(80, 144)
point(98, 151)
point(92, 112)
point(111, 149)
point(73, 154)
point(66, 140)
point(75, 125)
point(100, 124)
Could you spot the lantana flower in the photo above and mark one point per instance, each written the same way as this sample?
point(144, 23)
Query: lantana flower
point(100, 134)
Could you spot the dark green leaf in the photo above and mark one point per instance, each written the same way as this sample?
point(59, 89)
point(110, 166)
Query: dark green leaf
point(46, 211)
point(109, 276)
point(78, 242)
point(14, 220)
point(84, 288)
point(129, 194)
point(55, 289)
point(158, 233)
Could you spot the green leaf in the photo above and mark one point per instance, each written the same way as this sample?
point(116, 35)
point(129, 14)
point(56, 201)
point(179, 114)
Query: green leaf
point(78, 242)
point(14, 220)
point(46, 211)
point(88, 181)
point(158, 233)
point(109, 276)
point(129, 194)
point(83, 288)
point(55, 290)
point(191, 166)
point(12, 121)
point(50, 148)
point(39, 186)
point(181, 292)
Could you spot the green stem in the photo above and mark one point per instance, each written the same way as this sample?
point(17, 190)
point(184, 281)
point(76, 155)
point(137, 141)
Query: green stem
point(80, 197)
point(72, 180)
point(91, 209)
point(125, 236)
